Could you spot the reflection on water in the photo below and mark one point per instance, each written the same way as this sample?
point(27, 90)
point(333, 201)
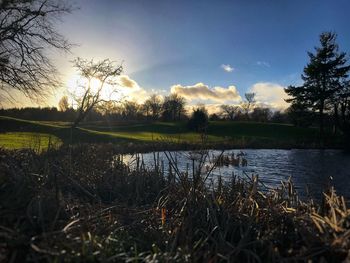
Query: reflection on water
point(309, 169)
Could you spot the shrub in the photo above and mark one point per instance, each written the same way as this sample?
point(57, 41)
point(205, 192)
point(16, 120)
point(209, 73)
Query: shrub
point(198, 120)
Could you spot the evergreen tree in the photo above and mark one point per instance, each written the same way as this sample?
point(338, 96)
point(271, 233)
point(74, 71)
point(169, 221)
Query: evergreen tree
point(322, 78)
point(299, 115)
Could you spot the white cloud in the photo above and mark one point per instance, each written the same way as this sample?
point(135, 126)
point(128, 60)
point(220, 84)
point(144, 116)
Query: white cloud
point(129, 89)
point(227, 68)
point(200, 91)
point(127, 82)
point(211, 108)
point(270, 95)
point(263, 64)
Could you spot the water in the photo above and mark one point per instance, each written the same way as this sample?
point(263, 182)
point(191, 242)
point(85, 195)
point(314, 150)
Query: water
point(314, 170)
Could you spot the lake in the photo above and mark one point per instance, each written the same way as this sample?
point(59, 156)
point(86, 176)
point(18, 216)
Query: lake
point(309, 169)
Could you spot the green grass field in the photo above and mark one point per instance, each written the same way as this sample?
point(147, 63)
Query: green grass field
point(17, 133)
point(33, 140)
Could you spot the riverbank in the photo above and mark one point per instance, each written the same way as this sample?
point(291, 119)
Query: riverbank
point(82, 203)
point(143, 137)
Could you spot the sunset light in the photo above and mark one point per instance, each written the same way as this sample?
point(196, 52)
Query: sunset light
point(174, 131)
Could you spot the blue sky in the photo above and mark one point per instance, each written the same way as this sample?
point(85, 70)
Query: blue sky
point(165, 43)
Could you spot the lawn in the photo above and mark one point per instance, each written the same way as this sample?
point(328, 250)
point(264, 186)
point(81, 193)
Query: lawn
point(17, 133)
point(32, 140)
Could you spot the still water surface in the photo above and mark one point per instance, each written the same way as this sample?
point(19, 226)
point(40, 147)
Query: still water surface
point(309, 169)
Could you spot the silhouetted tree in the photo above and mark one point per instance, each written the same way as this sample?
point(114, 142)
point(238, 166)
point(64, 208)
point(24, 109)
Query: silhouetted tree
point(300, 115)
point(87, 96)
point(153, 107)
point(173, 107)
point(130, 110)
point(322, 78)
point(27, 30)
point(198, 120)
point(279, 117)
point(249, 103)
point(341, 107)
point(230, 111)
point(261, 114)
point(214, 117)
point(40, 114)
point(107, 107)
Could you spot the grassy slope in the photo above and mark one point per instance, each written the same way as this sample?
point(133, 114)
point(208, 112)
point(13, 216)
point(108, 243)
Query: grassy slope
point(243, 134)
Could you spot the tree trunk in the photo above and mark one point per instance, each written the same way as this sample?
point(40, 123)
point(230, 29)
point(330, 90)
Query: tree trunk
point(343, 115)
point(77, 121)
point(81, 116)
point(336, 118)
point(321, 120)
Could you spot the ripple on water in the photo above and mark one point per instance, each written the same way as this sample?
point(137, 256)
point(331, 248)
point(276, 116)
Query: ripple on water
point(307, 168)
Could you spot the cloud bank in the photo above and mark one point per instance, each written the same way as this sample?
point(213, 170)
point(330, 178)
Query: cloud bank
point(200, 91)
point(270, 95)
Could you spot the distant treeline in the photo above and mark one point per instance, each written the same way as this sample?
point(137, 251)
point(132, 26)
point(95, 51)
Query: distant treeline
point(40, 114)
point(168, 110)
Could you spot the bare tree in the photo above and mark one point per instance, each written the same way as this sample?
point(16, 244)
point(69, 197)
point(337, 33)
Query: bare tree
point(63, 104)
point(108, 107)
point(27, 31)
point(173, 107)
point(230, 111)
point(130, 110)
point(260, 114)
point(153, 106)
point(249, 102)
point(88, 96)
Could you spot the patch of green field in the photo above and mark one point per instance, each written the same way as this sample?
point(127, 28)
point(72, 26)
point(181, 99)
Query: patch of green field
point(32, 140)
point(147, 136)
point(244, 134)
point(262, 130)
point(217, 132)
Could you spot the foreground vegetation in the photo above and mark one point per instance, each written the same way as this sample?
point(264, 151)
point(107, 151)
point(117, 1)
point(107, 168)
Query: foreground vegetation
point(148, 136)
point(82, 203)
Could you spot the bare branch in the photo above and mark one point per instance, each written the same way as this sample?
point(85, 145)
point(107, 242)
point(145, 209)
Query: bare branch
point(27, 31)
point(106, 72)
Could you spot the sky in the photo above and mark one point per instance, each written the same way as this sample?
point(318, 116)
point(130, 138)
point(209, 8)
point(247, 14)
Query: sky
point(210, 52)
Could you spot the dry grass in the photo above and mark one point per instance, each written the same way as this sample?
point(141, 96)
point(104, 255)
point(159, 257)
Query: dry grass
point(83, 203)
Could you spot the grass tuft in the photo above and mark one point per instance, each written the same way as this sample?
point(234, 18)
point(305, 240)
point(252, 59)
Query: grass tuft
point(82, 203)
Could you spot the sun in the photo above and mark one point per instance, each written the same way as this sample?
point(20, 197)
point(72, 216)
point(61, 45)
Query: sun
point(76, 87)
